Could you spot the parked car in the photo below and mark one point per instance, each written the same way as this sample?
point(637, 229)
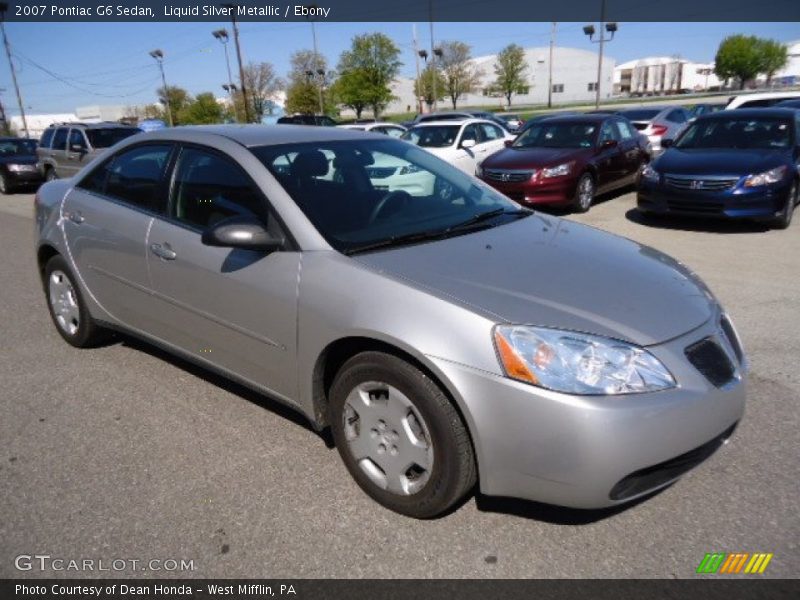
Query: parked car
point(319, 120)
point(390, 129)
point(490, 116)
point(742, 164)
point(536, 118)
point(445, 340)
point(463, 142)
point(792, 103)
point(657, 123)
point(18, 164)
point(567, 161)
point(66, 148)
point(760, 100)
point(704, 109)
point(512, 120)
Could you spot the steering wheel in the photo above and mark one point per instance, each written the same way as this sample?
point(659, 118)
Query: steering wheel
point(396, 196)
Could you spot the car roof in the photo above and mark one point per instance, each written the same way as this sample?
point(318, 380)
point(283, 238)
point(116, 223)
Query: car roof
point(658, 108)
point(787, 113)
point(580, 118)
point(260, 135)
point(102, 125)
point(766, 96)
point(458, 122)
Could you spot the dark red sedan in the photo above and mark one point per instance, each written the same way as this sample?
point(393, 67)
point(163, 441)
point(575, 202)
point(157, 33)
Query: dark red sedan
point(567, 161)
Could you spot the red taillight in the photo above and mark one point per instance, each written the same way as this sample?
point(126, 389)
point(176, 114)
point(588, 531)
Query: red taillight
point(658, 130)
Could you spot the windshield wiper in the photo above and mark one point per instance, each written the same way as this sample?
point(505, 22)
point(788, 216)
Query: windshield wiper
point(438, 234)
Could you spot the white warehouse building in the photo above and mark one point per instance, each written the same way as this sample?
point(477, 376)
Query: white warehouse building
point(574, 77)
point(663, 75)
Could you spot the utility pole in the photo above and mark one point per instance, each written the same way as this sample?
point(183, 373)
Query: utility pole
point(433, 57)
point(3, 9)
point(159, 56)
point(418, 85)
point(239, 59)
point(550, 68)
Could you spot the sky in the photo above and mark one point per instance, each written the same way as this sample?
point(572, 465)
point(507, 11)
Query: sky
point(62, 66)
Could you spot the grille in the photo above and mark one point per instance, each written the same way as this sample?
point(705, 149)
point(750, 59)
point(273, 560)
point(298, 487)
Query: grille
point(507, 176)
point(380, 172)
point(701, 184)
point(689, 206)
point(710, 359)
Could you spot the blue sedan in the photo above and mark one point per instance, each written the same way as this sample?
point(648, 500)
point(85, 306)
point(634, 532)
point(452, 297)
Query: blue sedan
point(742, 164)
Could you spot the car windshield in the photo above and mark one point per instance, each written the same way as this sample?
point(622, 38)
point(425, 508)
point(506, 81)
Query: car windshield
point(741, 133)
point(432, 136)
point(547, 134)
point(105, 138)
point(639, 115)
point(362, 194)
point(17, 147)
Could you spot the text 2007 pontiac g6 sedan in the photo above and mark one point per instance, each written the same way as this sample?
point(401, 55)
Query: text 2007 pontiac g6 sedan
point(446, 338)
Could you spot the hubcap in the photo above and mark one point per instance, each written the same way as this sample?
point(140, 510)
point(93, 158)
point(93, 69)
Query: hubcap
point(64, 302)
point(387, 437)
point(585, 192)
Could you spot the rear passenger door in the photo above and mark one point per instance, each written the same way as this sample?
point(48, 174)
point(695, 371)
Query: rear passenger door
point(632, 152)
point(611, 163)
point(76, 155)
point(233, 308)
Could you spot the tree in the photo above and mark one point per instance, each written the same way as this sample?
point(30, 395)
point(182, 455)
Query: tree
point(176, 97)
point(510, 71)
point(203, 110)
point(366, 71)
point(774, 57)
point(262, 85)
point(424, 86)
point(305, 84)
point(461, 76)
point(739, 56)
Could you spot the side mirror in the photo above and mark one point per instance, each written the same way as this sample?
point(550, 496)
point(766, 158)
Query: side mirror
point(241, 232)
point(665, 143)
point(468, 144)
point(608, 144)
point(507, 143)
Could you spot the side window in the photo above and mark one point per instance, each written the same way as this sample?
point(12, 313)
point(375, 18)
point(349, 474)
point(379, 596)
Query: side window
point(76, 139)
point(47, 137)
point(209, 188)
point(470, 133)
point(95, 181)
point(677, 116)
point(491, 132)
point(135, 177)
point(623, 130)
point(60, 138)
point(607, 133)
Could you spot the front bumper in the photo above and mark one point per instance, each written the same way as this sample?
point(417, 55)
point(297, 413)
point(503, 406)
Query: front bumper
point(595, 451)
point(24, 177)
point(740, 203)
point(558, 191)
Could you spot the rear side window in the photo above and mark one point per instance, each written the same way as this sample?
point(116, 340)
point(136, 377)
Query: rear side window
point(677, 116)
point(134, 176)
point(76, 139)
point(47, 137)
point(105, 138)
point(491, 132)
point(624, 130)
point(60, 138)
point(208, 188)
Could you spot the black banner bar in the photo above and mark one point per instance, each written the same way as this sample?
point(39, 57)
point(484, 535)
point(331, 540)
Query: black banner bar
point(404, 11)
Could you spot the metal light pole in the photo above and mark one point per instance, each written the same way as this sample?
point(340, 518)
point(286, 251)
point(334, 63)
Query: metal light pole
point(433, 57)
point(317, 67)
point(590, 31)
point(222, 36)
point(418, 86)
point(231, 89)
point(159, 56)
point(239, 59)
point(3, 9)
point(550, 68)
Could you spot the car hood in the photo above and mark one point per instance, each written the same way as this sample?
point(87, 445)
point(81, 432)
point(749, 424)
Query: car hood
point(552, 272)
point(718, 162)
point(533, 158)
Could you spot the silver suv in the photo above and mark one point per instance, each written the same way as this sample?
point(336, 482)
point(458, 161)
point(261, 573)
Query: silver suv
point(64, 149)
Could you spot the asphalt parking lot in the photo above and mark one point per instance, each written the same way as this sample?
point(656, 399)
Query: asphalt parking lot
point(124, 452)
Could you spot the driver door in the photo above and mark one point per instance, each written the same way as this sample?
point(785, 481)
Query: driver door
point(466, 159)
point(231, 307)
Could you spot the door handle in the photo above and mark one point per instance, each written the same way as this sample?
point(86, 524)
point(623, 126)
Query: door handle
point(76, 217)
point(164, 251)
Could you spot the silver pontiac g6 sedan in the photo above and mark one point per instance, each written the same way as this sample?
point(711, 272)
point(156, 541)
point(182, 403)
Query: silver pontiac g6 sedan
point(447, 336)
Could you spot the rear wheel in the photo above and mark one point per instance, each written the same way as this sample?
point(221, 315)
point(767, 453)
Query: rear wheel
point(785, 218)
point(399, 436)
point(584, 193)
point(67, 308)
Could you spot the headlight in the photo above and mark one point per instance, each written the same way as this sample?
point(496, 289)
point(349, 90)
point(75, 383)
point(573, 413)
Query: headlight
point(19, 168)
point(765, 178)
point(578, 363)
point(558, 171)
point(650, 174)
point(478, 171)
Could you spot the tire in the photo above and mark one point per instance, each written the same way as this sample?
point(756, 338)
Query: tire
point(5, 186)
point(785, 218)
point(67, 307)
point(50, 174)
point(399, 436)
point(584, 193)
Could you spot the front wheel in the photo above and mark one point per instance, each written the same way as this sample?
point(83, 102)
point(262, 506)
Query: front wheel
point(50, 174)
point(584, 193)
point(399, 436)
point(785, 218)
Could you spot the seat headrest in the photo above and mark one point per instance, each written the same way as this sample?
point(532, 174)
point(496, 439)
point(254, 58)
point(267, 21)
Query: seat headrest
point(311, 163)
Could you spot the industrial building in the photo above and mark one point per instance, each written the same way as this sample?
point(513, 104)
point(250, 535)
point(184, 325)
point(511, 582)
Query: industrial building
point(663, 75)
